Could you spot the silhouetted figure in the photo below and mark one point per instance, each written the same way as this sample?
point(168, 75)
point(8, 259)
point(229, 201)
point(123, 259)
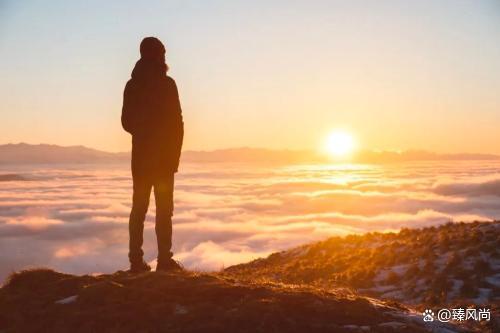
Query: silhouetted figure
point(152, 114)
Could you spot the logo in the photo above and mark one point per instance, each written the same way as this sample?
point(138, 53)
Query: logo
point(428, 315)
point(457, 314)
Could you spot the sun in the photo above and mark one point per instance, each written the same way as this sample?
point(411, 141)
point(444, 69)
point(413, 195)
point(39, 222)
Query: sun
point(340, 143)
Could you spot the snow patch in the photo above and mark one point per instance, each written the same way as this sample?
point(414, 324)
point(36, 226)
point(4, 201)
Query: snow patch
point(483, 297)
point(68, 300)
point(393, 324)
point(494, 280)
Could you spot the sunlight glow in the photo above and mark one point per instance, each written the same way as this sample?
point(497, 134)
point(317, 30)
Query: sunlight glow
point(340, 143)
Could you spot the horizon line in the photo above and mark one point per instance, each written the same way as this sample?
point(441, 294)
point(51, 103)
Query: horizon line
point(305, 150)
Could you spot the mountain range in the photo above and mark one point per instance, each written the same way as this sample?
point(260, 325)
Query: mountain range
point(23, 153)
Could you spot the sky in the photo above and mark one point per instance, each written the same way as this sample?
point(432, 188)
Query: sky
point(275, 74)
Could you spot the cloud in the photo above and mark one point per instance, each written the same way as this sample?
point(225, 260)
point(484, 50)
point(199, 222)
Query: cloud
point(34, 223)
point(76, 220)
point(209, 256)
point(491, 187)
point(71, 251)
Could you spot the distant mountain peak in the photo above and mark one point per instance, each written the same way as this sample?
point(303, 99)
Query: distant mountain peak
point(24, 153)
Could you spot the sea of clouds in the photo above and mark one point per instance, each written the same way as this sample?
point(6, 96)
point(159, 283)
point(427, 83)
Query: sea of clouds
point(74, 218)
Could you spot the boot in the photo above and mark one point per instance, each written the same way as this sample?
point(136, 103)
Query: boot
point(139, 267)
point(169, 265)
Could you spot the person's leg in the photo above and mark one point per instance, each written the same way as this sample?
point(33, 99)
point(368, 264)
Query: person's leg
point(164, 197)
point(140, 203)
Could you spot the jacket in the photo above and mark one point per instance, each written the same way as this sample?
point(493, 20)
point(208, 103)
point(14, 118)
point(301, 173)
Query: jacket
point(152, 114)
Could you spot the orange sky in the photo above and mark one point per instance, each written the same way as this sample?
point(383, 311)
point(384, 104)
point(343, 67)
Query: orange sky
point(398, 75)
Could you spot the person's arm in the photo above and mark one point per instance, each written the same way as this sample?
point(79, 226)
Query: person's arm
point(129, 116)
point(178, 124)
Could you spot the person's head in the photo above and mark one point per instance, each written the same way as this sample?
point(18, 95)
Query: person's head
point(152, 49)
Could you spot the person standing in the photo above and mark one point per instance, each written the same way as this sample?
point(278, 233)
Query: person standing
point(152, 114)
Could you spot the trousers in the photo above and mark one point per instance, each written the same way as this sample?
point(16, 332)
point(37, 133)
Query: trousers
point(164, 197)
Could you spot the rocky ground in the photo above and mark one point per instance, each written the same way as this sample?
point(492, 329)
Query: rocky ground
point(47, 301)
point(377, 282)
point(455, 265)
